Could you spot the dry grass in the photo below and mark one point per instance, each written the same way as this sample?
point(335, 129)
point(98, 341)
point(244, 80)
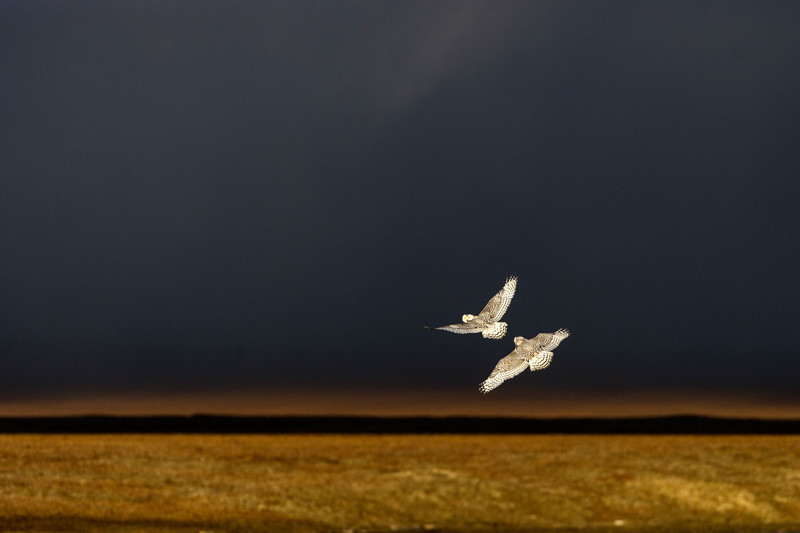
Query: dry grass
point(383, 483)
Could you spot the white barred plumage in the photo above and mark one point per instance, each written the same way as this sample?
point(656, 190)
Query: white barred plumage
point(486, 322)
point(535, 353)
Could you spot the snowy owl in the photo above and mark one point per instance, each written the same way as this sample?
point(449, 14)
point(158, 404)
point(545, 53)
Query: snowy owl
point(535, 353)
point(486, 323)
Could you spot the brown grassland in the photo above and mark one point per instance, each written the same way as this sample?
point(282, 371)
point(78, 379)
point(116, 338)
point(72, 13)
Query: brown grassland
point(300, 483)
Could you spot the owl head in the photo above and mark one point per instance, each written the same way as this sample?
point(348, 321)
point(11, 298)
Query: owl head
point(467, 318)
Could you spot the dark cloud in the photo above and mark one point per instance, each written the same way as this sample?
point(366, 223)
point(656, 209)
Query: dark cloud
point(217, 196)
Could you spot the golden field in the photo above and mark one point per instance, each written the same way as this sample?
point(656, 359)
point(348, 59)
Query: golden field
point(309, 483)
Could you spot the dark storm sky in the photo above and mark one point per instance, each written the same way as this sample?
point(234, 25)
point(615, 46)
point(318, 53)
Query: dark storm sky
point(214, 195)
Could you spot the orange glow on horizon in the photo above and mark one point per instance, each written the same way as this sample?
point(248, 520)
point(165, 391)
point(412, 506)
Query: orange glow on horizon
point(543, 404)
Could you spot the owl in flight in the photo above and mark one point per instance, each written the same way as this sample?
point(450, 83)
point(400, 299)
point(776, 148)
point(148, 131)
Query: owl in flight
point(535, 353)
point(486, 323)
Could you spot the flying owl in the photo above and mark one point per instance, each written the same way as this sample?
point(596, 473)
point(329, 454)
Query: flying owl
point(535, 353)
point(486, 322)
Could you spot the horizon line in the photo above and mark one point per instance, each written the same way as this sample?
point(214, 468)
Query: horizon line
point(411, 402)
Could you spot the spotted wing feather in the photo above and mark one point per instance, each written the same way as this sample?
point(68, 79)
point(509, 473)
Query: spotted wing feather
point(549, 341)
point(540, 361)
point(460, 328)
point(508, 367)
point(499, 303)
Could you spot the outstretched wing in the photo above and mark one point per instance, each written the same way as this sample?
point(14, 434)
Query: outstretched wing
point(508, 367)
point(469, 327)
point(499, 303)
point(548, 341)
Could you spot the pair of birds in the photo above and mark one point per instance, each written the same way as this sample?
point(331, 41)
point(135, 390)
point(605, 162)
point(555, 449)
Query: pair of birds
point(535, 353)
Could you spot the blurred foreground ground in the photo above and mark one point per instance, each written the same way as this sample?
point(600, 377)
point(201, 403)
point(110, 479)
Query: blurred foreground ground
point(310, 483)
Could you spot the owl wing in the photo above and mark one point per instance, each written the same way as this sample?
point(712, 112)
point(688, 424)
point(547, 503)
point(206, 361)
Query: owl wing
point(548, 341)
point(469, 327)
point(499, 303)
point(540, 361)
point(508, 367)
